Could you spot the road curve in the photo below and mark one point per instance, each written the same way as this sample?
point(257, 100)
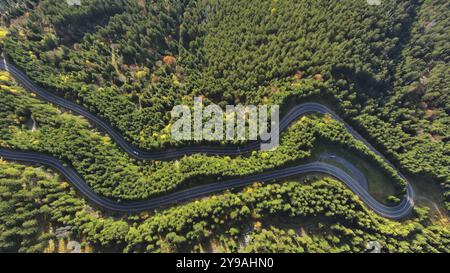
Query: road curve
point(397, 212)
point(352, 169)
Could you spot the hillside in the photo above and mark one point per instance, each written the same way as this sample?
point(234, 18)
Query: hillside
point(383, 68)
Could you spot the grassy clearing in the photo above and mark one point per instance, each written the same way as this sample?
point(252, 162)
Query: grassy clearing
point(429, 193)
point(380, 185)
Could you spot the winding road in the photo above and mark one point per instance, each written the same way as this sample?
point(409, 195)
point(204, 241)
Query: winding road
point(352, 169)
point(396, 212)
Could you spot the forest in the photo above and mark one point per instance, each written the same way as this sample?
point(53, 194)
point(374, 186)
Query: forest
point(34, 203)
point(383, 68)
point(132, 61)
point(29, 124)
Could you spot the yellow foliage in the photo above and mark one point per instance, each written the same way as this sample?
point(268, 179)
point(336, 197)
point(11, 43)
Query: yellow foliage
point(167, 129)
point(62, 246)
point(141, 74)
point(87, 248)
point(144, 215)
point(9, 89)
point(50, 248)
point(176, 82)
point(106, 140)
point(4, 76)
point(327, 119)
point(3, 32)
point(64, 78)
point(319, 77)
point(32, 55)
point(257, 225)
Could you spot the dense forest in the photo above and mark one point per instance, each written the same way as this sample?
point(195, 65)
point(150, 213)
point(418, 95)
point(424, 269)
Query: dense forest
point(29, 124)
point(383, 68)
point(10, 10)
point(132, 61)
point(322, 215)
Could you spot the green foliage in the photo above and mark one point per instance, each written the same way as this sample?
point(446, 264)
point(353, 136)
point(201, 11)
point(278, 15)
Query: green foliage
point(112, 173)
point(33, 203)
point(29, 200)
point(136, 60)
point(421, 101)
point(94, 53)
point(10, 10)
point(384, 68)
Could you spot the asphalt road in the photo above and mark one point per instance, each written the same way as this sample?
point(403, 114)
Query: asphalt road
point(349, 167)
point(395, 212)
